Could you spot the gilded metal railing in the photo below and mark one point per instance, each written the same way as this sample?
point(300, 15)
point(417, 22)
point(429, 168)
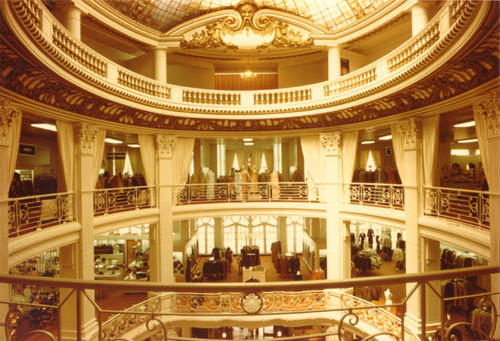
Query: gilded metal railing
point(112, 200)
point(236, 305)
point(373, 194)
point(28, 214)
point(247, 192)
point(466, 206)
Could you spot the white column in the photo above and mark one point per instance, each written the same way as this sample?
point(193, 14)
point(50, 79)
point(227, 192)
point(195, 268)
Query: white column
point(487, 110)
point(432, 262)
point(86, 147)
point(72, 20)
point(218, 233)
point(333, 63)
point(160, 64)
point(282, 234)
point(277, 157)
point(419, 17)
point(332, 146)
point(7, 114)
point(412, 169)
point(163, 253)
point(221, 157)
point(68, 269)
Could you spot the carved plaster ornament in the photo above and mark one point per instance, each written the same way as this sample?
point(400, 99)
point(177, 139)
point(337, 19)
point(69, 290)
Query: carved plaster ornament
point(489, 111)
point(8, 114)
point(410, 130)
point(332, 143)
point(246, 29)
point(87, 135)
point(165, 145)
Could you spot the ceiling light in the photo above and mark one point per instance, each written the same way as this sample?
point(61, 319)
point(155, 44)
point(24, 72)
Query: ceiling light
point(133, 145)
point(248, 143)
point(467, 141)
point(459, 152)
point(248, 75)
point(112, 141)
point(368, 142)
point(465, 124)
point(247, 139)
point(385, 137)
point(45, 126)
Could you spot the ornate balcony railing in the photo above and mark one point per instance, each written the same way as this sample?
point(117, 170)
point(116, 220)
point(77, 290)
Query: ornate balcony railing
point(29, 214)
point(247, 192)
point(372, 194)
point(77, 58)
point(112, 200)
point(465, 206)
point(237, 305)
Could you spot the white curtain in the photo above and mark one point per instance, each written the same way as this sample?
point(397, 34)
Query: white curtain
point(349, 151)
point(229, 160)
point(268, 154)
point(98, 155)
point(147, 146)
point(313, 160)
point(181, 159)
point(430, 142)
point(242, 157)
point(398, 147)
point(490, 151)
point(257, 159)
point(14, 134)
point(66, 146)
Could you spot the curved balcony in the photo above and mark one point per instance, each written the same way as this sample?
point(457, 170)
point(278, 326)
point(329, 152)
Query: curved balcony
point(254, 305)
point(160, 105)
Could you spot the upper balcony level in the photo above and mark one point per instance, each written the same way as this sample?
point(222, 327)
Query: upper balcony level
point(408, 76)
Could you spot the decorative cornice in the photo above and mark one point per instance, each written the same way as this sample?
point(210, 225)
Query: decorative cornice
point(165, 145)
point(410, 130)
point(8, 114)
point(332, 143)
point(488, 109)
point(86, 138)
point(36, 82)
point(246, 26)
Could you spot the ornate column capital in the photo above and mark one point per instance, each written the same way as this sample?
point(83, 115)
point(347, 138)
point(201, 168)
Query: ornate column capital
point(410, 130)
point(331, 143)
point(8, 113)
point(487, 108)
point(165, 145)
point(86, 138)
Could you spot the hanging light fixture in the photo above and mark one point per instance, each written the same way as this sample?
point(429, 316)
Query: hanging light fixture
point(248, 74)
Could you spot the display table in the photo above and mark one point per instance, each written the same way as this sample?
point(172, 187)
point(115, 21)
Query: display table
point(257, 272)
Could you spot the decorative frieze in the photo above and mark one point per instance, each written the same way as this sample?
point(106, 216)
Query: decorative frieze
point(86, 138)
point(488, 110)
point(165, 145)
point(331, 143)
point(410, 130)
point(8, 114)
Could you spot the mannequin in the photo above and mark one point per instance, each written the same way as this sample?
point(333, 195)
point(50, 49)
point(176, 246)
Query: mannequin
point(388, 296)
point(210, 184)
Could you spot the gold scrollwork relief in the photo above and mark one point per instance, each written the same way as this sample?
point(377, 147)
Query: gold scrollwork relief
point(246, 29)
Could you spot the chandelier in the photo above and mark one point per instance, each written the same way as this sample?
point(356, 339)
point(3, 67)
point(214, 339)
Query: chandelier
point(248, 75)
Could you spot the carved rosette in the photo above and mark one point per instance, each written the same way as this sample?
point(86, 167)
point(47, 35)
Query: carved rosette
point(8, 114)
point(87, 135)
point(252, 303)
point(410, 130)
point(332, 143)
point(165, 145)
point(488, 110)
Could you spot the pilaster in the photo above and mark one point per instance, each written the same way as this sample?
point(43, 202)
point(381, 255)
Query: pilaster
point(163, 253)
point(487, 116)
point(8, 114)
point(86, 148)
point(331, 144)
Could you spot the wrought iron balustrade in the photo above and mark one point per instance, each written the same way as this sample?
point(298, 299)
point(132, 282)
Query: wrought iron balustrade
point(112, 200)
point(28, 214)
point(466, 206)
point(375, 194)
point(246, 192)
point(236, 304)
